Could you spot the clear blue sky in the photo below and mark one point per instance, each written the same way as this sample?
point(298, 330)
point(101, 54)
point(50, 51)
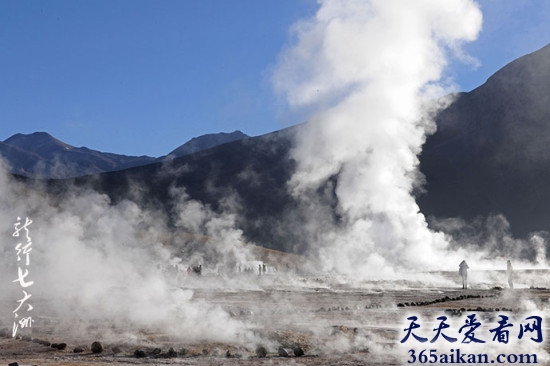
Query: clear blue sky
point(142, 77)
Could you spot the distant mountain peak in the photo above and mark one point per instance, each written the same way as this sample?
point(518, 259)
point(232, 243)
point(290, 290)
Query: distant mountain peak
point(34, 135)
point(207, 141)
point(41, 155)
point(36, 141)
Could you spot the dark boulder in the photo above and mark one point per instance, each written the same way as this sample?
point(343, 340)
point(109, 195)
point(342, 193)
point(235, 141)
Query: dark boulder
point(261, 352)
point(97, 347)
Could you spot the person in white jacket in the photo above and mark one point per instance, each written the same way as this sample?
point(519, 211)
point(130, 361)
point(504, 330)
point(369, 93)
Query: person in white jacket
point(510, 273)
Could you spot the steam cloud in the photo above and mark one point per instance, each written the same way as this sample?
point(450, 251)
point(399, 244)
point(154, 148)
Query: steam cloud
point(94, 262)
point(364, 71)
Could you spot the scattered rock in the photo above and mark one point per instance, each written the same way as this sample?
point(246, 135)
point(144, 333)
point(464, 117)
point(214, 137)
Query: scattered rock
point(156, 351)
point(27, 338)
point(283, 352)
point(261, 352)
point(216, 353)
point(13, 364)
point(53, 345)
point(61, 346)
point(172, 352)
point(43, 342)
point(139, 353)
point(116, 349)
point(298, 351)
point(338, 329)
point(97, 347)
point(183, 352)
point(78, 350)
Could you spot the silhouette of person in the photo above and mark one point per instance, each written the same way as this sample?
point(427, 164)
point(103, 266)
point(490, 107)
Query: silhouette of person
point(463, 271)
point(510, 273)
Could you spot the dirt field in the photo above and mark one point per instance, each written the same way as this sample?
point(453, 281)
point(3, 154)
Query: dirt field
point(328, 319)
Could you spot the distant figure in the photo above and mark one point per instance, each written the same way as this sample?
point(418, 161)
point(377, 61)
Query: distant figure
point(259, 269)
point(509, 273)
point(463, 271)
point(197, 270)
point(264, 269)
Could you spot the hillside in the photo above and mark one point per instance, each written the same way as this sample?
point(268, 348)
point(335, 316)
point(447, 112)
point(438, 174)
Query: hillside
point(490, 154)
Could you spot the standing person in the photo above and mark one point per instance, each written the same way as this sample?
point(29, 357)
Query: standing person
point(463, 271)
point(509, 273)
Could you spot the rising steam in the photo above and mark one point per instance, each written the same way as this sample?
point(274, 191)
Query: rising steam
point(94, 262)
point(363, 72)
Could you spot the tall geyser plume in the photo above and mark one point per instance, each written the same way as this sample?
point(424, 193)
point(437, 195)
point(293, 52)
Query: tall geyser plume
point(363, 73)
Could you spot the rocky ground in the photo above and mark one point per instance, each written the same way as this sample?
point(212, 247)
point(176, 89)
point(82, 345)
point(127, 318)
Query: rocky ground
point(300, 320)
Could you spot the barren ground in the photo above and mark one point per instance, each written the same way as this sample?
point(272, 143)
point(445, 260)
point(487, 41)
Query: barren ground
point(333, 322)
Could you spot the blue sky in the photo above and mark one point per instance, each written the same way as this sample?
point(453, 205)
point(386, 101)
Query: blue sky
point(142, 77)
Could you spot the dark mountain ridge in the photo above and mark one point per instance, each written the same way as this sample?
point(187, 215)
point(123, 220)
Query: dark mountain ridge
point(40, 155)
point(253, 171)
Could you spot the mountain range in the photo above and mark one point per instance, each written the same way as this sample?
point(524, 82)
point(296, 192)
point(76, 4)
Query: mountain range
point(489, 157)
point(40, 155)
